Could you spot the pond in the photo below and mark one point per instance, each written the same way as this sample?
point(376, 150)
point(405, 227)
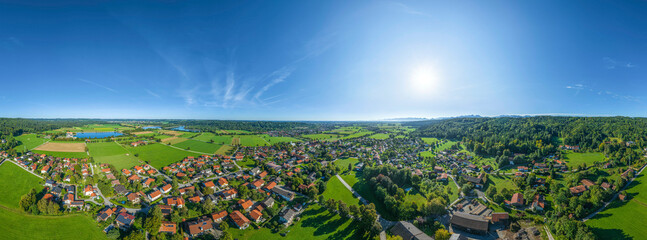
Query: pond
point(151, 127)
point(97, 134)
point(181, 128)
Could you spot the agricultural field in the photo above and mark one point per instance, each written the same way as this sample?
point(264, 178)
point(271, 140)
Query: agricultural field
point(500, 182)
point(173, 140)
point(224, 150)
point(29, 141)
point(198, 146)
point(171, 132)
point(205, 136)
point(316, 223)
point(159, 155)
point(15, 224)
point(336, 190)
point(15, 182)
point(234, 131)
point(323, 136)
point(380, 136)
point(358, 134)
point(112, 153)
point(63, 154)
point(274, 140)
point(250, 140)
point(189, 135)
point(430, 140)
point(576, 159)
point(61, 147)
point(346, 130)
point(618, 220)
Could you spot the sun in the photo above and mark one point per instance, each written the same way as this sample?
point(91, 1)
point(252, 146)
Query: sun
point(424, 80)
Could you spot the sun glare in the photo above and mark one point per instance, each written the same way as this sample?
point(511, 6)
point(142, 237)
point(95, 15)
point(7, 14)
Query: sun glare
point(424, 80)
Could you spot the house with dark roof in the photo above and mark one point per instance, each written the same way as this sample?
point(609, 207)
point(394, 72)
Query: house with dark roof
point(124, 220)
point(287, 216)
point(408, 231)
point(283, 193)
point(469, 223)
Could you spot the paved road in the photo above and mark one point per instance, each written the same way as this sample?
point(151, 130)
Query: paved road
point(550, 235)
point(614, 196)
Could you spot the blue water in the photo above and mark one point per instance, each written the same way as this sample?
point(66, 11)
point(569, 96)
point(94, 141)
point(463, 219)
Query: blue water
point(181, 128)
point(97, 134)
point(154, 127)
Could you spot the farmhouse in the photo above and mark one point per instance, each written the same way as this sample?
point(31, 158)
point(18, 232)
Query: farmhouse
point(470, 223)
point(406, 230)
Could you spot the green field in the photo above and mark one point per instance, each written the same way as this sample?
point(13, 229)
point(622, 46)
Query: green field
point(205, 136)
point(430, 140)
point(159, 155)
point(364, 189)
point(427, 154)
point(358, 134)
point(501, 182)
point(28, 142)
point(224, 150)
point(343, 163)
point(618, 220)
point(252, 141)
point(274, 140)
point(323, 136)
point(198, 146)
point(16, 225)
point(189, 135)
point(576, 159)
point(63, 154)
point(380, 136)
point(112, 153)
point(336, 190)
point(15, 182)
point(316, 223)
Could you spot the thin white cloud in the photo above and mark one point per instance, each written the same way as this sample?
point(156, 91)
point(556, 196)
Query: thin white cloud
point(152, 93)
point(581, 87)
point(610, 63)
point(98, 85)
point(409, 10)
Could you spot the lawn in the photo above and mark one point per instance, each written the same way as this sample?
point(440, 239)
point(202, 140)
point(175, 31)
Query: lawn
point(15, 182)
point(16, 225)
point(576, 159)
point(427, 154)
point(618, 220)
point(343, 163)
point(316, 223)
point(380, 136)
point(28, 142)
point(63, 154)
point(224, 150)
point(112, 153)
point(198, 146)
point(336, 190)
point(501, 182)
point(160, 155)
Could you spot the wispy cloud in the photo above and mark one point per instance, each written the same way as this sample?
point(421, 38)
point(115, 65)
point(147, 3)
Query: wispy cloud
point(581, 87)
point(409, 10)
point(98, 85)
point(610, 63)
point(152, 93)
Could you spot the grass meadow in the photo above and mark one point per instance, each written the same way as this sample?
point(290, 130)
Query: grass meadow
point(576, 159)
point(28, 142)
point(160, 155)
point(195, 145)
point(17, 225)
point(618, 220)
point(112, 153)
point(336, 190)
point(323, 136)
point(380, 136)
point(15, 182)
point(274, 140)
point(63, 154)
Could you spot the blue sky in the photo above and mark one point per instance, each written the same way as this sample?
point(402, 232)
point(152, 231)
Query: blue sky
point(322, 60)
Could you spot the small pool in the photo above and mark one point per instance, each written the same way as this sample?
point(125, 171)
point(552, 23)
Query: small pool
point(97, 134)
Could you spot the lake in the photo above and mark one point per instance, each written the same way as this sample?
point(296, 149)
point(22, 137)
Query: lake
point(151, 127)
point(181, 128)
point(97, 134)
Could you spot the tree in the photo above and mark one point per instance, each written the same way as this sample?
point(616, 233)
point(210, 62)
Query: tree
point(223, 226)
point(27, 200)
point(354, 210)
point(343, 209)
point(442, 234)
point(226, 236)
point(113, 233)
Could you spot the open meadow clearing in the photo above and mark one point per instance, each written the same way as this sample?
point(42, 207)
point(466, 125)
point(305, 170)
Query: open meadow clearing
point(430, 140)
point(17, 225)
point(316, 223)
point(28, 142)
point(15, 182)
point(501, 182)
point(205, 136)
point(171, 132)
point(343, 163)
point(173, 140)
point(112, 153)
point(346, 130)
point(358, 134)
point(618, 220)
point(61, 147)
point(160, 155)
point(198, 146)
point(224, 149)
point(142, 133)
point(250, 141)
point(336, 190)
point(576, 159)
